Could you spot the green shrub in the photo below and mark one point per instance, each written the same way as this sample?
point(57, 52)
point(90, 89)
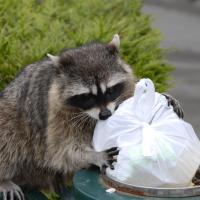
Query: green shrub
point(30, 29)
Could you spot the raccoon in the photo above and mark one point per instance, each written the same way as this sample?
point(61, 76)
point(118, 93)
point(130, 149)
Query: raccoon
point(49, 111)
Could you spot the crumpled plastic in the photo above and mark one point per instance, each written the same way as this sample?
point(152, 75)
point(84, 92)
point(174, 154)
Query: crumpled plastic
point(157, 149)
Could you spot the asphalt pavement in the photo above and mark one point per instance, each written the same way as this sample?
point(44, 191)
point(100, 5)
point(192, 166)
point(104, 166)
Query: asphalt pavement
point(179, 22)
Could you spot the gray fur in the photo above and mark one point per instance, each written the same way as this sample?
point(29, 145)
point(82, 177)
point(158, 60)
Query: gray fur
point(40, 135)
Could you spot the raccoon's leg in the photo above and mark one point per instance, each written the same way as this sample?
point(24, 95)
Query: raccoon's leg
point(103, 159)
point(86, 157)
point(11, 191)
point(176, 105)
point(196, 178)
point(112, 157)
point(59, 185)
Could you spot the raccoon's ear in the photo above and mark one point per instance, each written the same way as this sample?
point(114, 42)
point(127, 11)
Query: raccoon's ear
point(66, 59)
point(114, 45)
point(53, 58)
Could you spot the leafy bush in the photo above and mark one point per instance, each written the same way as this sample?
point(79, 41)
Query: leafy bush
point(30, 29)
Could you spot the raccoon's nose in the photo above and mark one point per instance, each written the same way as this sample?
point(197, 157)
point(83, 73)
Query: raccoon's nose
point(104, 114)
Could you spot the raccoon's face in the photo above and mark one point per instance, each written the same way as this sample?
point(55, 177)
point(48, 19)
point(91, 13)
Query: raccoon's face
point(102, 98)
point(95, 80)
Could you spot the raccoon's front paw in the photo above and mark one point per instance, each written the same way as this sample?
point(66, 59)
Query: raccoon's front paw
point(196, 178)
point(176, 105)
point(11, 191)
point(196, 181)
point(107, 158)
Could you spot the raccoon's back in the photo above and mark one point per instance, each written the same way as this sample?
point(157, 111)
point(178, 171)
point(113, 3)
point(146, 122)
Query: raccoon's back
point(23, 114)
point(29, 79)
point(29, 94)
point(19, 147)
point(11, 142)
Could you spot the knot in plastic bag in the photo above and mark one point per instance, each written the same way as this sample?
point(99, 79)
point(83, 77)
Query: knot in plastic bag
point(145, 125)
point(156, 147)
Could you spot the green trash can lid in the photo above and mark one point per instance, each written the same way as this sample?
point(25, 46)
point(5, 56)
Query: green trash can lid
point(87, 185)
point(30, 194)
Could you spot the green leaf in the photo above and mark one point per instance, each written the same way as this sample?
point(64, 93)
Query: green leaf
point(30, 29)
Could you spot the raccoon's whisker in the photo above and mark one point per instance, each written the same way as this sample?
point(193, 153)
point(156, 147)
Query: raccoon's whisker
point(76, 123)
point(120, 98)
point(76, 113)
point(77, 116)
point(77, 120)
point(82, 121)
point(91, 122)
point(85, 121)
point(88, 120)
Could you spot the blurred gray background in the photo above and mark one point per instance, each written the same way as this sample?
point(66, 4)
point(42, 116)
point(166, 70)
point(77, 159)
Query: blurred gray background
point(179, 22)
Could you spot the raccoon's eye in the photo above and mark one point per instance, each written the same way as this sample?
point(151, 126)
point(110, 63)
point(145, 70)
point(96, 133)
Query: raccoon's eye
point(115, 91)
point(83, 101)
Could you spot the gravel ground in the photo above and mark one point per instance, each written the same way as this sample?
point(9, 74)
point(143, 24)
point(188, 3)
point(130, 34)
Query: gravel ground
point(179, 21)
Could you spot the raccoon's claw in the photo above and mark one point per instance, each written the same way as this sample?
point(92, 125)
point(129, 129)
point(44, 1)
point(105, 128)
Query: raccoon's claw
point(196, 178)
point(11, 191)
point(196, 181)
point(111, 157)
point(113, 151)
point(176, 105)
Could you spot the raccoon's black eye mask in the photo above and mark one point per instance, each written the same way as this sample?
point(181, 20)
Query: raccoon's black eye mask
point(89, 100)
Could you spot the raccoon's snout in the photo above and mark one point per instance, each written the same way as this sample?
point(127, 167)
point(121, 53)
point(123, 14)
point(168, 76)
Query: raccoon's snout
point(104, 114)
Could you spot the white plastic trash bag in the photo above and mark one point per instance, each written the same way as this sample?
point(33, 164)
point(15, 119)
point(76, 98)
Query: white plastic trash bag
point(157, 149)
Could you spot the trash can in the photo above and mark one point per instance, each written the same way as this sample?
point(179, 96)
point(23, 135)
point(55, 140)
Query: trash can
point(88, 185)
point(30, 194)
